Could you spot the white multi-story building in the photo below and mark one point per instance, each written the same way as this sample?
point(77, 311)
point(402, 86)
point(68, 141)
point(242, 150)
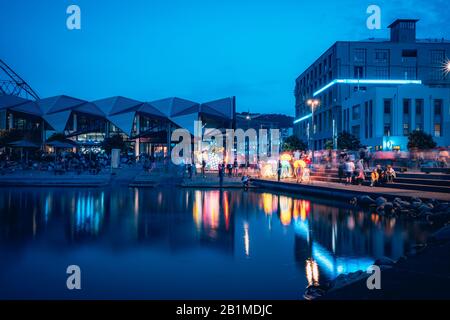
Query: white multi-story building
point(383, 117)
point(403, 75)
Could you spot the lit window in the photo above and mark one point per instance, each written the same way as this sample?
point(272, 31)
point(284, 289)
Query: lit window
point(437, 130)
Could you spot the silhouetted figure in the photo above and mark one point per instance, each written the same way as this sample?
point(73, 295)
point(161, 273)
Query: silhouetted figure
point(245, 181)
point(189, 168)
point(221, 173)
point(279, 170)
point(203, 167)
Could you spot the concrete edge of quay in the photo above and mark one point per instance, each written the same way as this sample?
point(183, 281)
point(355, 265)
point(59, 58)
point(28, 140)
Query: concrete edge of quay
point(315, 190)
point(57, 182)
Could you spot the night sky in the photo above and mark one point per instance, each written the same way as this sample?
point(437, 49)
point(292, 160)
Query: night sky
point(199, 49)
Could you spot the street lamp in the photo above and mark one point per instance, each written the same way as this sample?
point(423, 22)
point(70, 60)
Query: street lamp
point(446, 67)
point(313, 103)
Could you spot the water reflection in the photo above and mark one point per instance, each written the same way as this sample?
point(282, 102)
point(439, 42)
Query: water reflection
point(268, 231)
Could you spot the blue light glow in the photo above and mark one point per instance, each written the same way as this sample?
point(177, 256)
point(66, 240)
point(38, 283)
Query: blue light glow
point(365, 81)
point(303, 118)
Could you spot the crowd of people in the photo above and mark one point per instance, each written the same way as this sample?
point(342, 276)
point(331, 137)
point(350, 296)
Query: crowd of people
point(59, 163)
point(350, 172)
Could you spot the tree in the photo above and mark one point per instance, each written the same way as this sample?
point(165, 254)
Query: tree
point(114, 142)
point(293, 143)
point(348, 141)
point(418, 139)
point(57, 137)
point(329, 145)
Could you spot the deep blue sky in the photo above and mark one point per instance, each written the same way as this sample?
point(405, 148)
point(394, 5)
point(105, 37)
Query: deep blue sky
point(198, 49)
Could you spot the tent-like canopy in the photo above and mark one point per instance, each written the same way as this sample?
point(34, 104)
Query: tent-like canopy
point(120, 111)
point(23, 144)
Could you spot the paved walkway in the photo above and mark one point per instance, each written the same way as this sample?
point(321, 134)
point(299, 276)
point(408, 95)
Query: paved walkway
point(211, 180)
point(348, 191)
point(31, 178)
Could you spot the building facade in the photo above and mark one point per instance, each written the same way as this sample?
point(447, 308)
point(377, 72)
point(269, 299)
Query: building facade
point(258, 121)
point(405, 72)
point(146, 126)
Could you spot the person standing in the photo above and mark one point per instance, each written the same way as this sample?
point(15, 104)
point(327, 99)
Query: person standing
point(203, 168)
point(189, 168)
point(235, 167)
point(349, 170)
point(221, 173)
point(279, 170)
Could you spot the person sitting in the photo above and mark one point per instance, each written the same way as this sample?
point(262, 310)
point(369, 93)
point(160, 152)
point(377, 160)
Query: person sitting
point(390, 174)
point(381, 174)
point(359, 179)
point(245, 181)
point(374, 176)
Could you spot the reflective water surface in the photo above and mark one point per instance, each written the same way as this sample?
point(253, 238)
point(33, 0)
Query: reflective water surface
point(185, 244)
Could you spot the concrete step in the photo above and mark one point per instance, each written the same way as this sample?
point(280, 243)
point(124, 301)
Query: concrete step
point(399, 179)
point(431, 176)
point(397, 184)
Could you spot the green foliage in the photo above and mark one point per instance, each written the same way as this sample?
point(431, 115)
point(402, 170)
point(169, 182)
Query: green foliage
point(293, 143)
point(57, 137)
point(418, 139)
point(114, 142)
point(329, 145)
point(348, 141)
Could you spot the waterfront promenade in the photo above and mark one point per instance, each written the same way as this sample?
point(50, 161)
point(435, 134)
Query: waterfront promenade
point(34, 178)
point(342, 191)
point(134, 176)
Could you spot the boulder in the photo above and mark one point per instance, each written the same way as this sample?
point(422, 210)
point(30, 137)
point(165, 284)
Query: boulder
point(416, 204)
point(405, 212)
point(346, 279)
point(442, 234)
point(380, 201)
point(365, 201)
point(424, 208)
point(443, 206)
point(384, 261)
point(415, 199)
point(439, 218)
point(313, 292)
point(388, 207)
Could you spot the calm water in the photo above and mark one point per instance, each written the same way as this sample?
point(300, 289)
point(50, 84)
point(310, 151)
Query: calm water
point(184, 244)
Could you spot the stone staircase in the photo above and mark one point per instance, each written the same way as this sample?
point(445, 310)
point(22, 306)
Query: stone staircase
point(409, 181)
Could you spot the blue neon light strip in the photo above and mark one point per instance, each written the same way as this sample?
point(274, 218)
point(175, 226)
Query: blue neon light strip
point(365, 81)
point(303, 118)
